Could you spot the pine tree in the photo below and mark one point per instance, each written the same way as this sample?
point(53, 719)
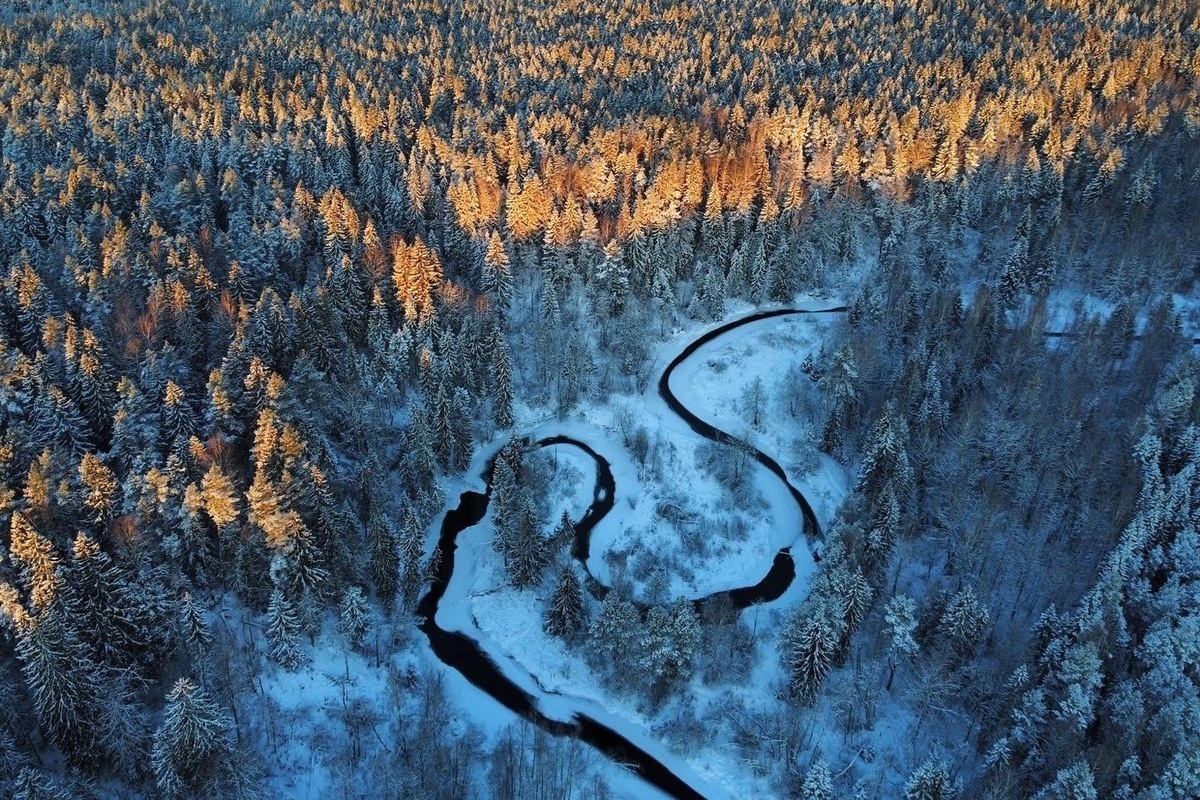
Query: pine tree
point(283, 632)
point(354, 618)
point(567, 614)
point(192, 748)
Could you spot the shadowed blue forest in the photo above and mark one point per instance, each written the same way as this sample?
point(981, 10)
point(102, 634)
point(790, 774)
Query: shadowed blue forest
point(540, 399)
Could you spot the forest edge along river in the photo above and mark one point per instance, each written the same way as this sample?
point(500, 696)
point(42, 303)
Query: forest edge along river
point(464, 654)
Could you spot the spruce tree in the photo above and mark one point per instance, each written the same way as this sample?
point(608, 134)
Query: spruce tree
point(412, 550)
point(930, 781)
point(1075, 782)
point(192, 748)
point(963, 622)
point(614, 632)
point(818, 783)
point(564, 532)
point(32, 784)
point(839, 385)
point(283, 632)
point(193, 628)
point(65, 683)
point(126, 618)
point(384, 556)
point(566, 615)
point(530, 553)
point(886, 459)
point(809, 646)
point(502, 385)
point(354, 617)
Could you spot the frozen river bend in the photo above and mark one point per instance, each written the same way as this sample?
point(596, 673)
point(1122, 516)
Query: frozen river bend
point(581, 718)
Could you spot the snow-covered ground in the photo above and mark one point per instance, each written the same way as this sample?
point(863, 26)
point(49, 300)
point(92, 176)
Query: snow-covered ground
point(1067, 306)
point(303, 716)
point(713, 382)
point(572, 481)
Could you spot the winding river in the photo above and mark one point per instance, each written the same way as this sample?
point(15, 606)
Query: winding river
point(465, 655)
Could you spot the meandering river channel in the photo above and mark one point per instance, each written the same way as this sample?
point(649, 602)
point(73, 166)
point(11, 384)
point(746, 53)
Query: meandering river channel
point(462, 653)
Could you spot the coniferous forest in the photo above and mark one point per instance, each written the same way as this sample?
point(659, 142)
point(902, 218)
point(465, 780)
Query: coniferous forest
point(577, 399)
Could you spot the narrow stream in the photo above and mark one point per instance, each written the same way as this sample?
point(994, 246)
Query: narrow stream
point(465, 655)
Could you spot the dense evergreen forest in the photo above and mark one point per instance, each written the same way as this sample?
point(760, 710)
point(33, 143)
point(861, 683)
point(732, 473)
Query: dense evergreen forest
point(275, 278)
